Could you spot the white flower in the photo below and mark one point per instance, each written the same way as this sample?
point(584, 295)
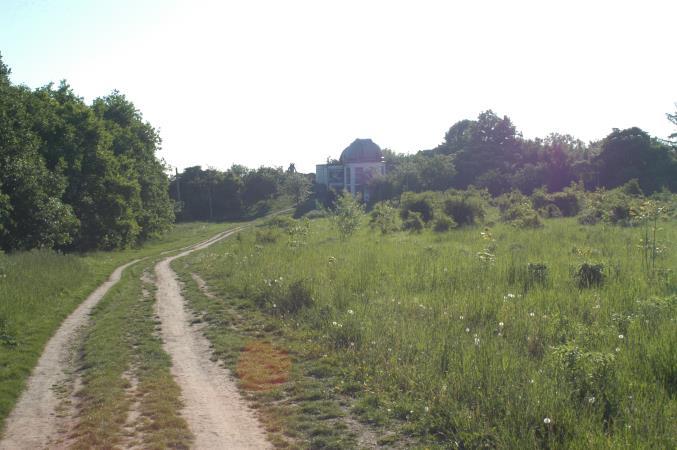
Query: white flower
point(334, 323)
point(618, 349)
point(531, 314)
point(467, 330)
point(547, 420)
point(351, 312)
point(427, 409)
point(591, 400)
point(477, 341)
point(620, 336)
point(500, 324)
point(460, 317)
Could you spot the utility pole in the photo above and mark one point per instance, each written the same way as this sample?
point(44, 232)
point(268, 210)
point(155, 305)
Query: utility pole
point(178, 187)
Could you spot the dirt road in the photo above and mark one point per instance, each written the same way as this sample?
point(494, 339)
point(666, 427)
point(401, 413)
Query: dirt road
point(214, 410)
point(34, 422)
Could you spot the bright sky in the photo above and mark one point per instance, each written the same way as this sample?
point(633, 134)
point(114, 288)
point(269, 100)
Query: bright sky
point(272, 82)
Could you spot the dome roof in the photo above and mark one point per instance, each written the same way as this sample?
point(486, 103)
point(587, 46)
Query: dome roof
point(362, 150)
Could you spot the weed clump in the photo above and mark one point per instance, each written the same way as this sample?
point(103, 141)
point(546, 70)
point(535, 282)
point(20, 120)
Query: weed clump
point(277, 297)
point(590, 275)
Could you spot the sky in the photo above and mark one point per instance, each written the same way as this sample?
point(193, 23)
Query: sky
point(273, 82)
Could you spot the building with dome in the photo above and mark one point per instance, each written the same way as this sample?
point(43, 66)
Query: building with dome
point(360, 162)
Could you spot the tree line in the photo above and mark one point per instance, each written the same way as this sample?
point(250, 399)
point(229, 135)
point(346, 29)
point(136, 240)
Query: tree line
point(75, 176)
point(490, 153)
point(211, 194)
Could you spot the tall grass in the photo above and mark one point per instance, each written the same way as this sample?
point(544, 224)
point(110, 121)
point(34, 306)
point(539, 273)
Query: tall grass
point(476, 337)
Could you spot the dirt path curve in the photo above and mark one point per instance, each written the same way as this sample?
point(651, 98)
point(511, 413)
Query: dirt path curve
point(33, 424)
point(216, 414)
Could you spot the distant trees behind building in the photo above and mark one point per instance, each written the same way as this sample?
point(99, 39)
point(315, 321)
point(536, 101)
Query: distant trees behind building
point(490, 153)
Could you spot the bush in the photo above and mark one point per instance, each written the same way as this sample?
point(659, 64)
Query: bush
point(422, 204)
point(537, 273)
point(384, 218)
point(347, 214)
point(267, 236)
point(276, 297)
point(280, 221)
point(315, 214)
point(413, 222)
point(589, 275)
point(568, 202)
point(464, 209)
point(443, 223)
point(522, 216)
point(550, 211)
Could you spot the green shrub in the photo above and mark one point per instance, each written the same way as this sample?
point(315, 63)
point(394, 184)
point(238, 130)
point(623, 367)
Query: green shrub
point(280, 221)
point(443, 223)
point(568, 202)
point(521, 216)
point(384, 218)
point(464, 209)
point(537, 273)
point(421, 203)
point(277, 298)
point(267, 236)
point(550, 211)
point(413, 222)
point(590, 275)
point(347, 214)
point(316, 214)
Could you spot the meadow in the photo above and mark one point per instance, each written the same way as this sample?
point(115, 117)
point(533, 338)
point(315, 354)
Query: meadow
point(38, 289)
point(556, 337)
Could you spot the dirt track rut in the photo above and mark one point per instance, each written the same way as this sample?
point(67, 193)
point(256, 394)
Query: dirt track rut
point(215, 412)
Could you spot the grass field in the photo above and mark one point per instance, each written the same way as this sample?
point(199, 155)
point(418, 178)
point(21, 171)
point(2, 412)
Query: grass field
point(39, 289)
point(498, 337)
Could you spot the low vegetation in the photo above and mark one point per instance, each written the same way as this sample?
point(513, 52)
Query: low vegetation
point(502, 336)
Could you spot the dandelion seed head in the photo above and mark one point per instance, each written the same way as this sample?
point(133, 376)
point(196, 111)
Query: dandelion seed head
point(547, 420)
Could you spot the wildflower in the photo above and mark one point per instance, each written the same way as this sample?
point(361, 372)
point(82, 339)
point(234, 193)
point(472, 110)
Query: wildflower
point(427, 409)
point(274, 305)
point(547, 421)
point(351, 312)
point(531, 314)
point(500, 324)
point(620, 336)
point(334, 323)
point(591, 400)
point(467, 330)
point(477, 341)
point(618, 349)
point(460, 317)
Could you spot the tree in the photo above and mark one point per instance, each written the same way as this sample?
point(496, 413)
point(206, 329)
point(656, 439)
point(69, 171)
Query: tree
point(673, 118)
point(347, 214)
point(297, 186)
point(632, 153)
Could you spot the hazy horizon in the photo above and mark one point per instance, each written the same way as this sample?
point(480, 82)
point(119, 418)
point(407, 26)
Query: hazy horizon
point(269, 83)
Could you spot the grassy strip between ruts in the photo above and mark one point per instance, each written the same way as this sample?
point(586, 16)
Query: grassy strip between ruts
point(468, 338)
point(129, 397)
point(38, 289)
